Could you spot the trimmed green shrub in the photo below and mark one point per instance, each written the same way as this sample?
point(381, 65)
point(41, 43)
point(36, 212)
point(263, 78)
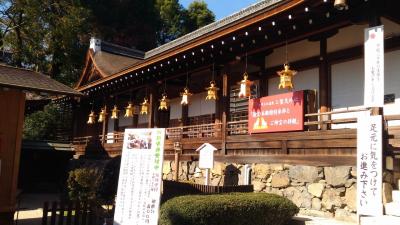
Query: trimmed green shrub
point(228, 209)
point(83, 184)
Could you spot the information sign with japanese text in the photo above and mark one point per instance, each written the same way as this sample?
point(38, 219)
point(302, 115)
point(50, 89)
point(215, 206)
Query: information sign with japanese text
point(369, 165)
point(284, 112)
point(140, 177)
point(374, 67)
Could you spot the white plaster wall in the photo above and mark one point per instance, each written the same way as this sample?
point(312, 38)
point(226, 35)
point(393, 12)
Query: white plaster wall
point(123, 121)
point(348, 87)
point(199, 105)
point(143, 118)
point(176, 109)
point(354, 35)
point(296, 51)
point(303, 80)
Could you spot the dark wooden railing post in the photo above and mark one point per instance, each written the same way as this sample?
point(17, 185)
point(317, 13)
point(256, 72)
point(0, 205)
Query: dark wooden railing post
point(45, 213)
point(53, 213)
point(324, 83)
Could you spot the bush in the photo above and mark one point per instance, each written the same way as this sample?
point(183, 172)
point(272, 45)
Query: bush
point(83, 184)
point(228, 209)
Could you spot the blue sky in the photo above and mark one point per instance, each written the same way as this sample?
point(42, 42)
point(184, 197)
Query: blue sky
point(223, 8)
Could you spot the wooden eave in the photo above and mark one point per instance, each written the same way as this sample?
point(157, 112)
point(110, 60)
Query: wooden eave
point(234, 27)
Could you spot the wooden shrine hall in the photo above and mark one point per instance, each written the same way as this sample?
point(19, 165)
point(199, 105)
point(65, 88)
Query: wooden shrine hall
point(198, 86)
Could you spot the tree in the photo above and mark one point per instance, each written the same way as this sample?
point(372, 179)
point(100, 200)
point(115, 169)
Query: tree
point(49, 36)
point(199, 15)
point(177, 21)
point(131, 23)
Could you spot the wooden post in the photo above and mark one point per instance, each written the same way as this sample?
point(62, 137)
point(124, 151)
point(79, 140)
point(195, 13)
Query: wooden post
point(153, 107)
point(12, 120)
point(225, 109)
point(324, 83)
point(104, 128)
point(176, 166)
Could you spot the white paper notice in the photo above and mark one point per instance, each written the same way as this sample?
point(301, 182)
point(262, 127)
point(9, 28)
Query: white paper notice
point(140, 177)
point(374, 67)
point(369, 165)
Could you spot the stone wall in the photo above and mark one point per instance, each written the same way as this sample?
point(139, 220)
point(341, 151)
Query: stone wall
point(318, 191)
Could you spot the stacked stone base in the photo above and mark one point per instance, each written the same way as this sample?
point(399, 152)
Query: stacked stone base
point(318, 191)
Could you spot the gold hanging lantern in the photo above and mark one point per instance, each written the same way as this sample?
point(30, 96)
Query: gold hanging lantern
point(245, 86)
point(92, 118)
point(163, 102)
point(212, 91)
point(144, 109)
point(114, 113)
point(340, 4)
point(185, 96)
point(286, 77)
point(129, 110)
point(102, 115)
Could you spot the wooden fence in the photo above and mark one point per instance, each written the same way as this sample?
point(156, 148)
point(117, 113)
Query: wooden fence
point(70, 213)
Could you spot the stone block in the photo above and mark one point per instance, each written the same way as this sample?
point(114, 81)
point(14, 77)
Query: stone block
point(276, 167)
point(316, 204)
point(299, 196)
point(307, 174)
point(167, 167)
point(280, 180)
point(396, 196)
point(316, 189)
point(350, 182)
point(331, 198)
point(337, 176)
point(219, 168)
point(258, 185)
point(261, 171)
point(353, 171)
point(392, 209)
point(392, 163)
point(350, 198)
point(387, 192)
point(315, 213)
point(342, 214)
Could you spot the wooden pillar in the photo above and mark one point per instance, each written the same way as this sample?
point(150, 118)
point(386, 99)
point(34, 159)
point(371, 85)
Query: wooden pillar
point(225, 108)
point(11, 124)
point(135, 118)
point(324, 83)
point(104, 126)
point(185, 115)
point(153, 101)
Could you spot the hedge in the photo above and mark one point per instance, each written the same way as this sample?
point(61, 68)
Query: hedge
point(228, 209)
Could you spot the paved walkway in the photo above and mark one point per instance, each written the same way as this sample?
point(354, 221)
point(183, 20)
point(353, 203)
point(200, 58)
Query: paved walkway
point(309, 220)
point(31, 208)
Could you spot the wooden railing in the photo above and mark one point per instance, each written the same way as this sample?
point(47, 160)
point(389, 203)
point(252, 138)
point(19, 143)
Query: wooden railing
point(194, 131)
point(312, 120)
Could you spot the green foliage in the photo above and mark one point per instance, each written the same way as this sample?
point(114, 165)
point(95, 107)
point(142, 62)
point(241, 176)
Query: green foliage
point(83, 184)
point(109, 183)
point(176, 21)
point(41, 125)
point(199, 15)
point(228, 209)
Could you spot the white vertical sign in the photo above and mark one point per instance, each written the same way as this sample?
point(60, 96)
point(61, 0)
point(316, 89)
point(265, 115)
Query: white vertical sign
point(374, 67)
point(369, 165)
point(140, 177)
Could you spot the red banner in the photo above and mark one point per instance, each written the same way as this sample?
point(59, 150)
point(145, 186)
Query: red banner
point(284, 112)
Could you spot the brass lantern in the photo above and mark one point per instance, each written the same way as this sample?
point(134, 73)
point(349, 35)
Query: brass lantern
point(144, 109)
point(114, 113)
point(163, 102)
point(245, 85)
point(129, 110)
point(340, 4)
point(286, 77)
point(92, 118)
point(212, 91)
point(185, 96)
point(102, 115)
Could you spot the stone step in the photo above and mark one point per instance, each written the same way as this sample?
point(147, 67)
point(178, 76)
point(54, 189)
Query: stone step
point(396, 196)
point(311, 220)
point(380, 220)
point(392, 209)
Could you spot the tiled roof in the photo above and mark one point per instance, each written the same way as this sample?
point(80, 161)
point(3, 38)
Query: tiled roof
point(111, 63)
point(12, 77)
point(259, 6)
